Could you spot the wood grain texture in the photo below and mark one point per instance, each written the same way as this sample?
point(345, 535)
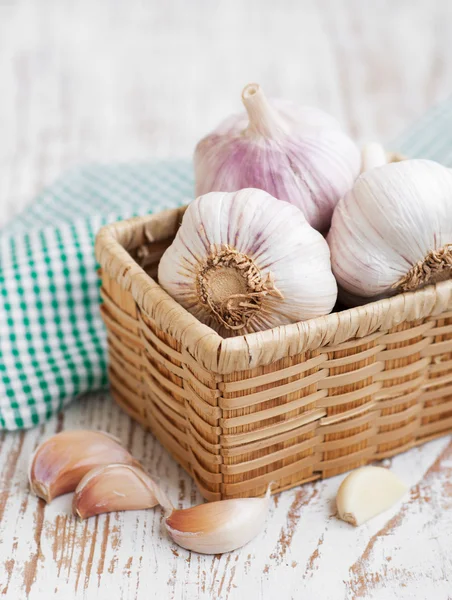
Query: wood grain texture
point(110, 80)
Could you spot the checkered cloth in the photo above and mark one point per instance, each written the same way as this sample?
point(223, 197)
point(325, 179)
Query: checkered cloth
point(52, 340)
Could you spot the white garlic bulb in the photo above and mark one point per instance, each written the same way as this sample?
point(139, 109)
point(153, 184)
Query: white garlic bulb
point(297, 154)
point(392, 232)
point(244, 262)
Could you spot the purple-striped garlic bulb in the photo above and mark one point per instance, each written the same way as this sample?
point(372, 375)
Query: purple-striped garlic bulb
point(245, 261)
point(295, 153)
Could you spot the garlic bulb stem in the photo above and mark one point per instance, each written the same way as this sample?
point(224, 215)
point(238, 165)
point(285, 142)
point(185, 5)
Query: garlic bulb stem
point(264, 119)
point(373, 155)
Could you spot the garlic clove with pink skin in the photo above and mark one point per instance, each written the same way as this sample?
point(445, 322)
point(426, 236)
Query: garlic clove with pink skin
point(116, 487)
point(60, 462)
point(392, 232)
point(243, 262)
point(297, 154)
point(218, 527)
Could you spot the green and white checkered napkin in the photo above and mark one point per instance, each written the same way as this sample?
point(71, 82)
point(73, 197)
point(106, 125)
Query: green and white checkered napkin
point(52, 339)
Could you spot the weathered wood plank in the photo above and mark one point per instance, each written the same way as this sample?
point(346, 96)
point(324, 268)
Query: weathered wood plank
point(43, 545)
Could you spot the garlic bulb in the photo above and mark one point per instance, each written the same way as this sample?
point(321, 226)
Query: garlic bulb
point(297, 154)
point(367, 492)
point(244, 262)
point(392, 232)
point(218, 527)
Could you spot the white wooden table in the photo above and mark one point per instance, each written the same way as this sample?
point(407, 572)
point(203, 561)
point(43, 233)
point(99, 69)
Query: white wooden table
point(110, 80)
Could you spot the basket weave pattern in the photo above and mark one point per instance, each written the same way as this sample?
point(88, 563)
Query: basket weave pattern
point(288, 405)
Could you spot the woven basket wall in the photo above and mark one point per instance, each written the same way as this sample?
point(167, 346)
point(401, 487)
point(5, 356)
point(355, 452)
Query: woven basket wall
point(289, 405)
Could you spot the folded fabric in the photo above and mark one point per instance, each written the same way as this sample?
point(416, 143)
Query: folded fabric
point(52, 339)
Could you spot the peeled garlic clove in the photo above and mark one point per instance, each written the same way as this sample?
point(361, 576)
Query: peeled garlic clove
point(114, 487)
point(297, 154)
point(367, 492)
point(392, 232)
point(244, 262)
point(218, 527)
point(60, 462)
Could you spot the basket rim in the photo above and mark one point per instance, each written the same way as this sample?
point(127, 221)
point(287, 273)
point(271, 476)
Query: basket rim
point(226, 355)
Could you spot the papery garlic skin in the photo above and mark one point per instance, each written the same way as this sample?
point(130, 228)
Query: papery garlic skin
point(297, 154)
point(114, 487)
point(244, 262)
point(218, 527)
point(367, 492)
point(60, 462)
point(392, 232)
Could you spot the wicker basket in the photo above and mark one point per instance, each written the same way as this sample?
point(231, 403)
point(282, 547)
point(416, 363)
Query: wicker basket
point(289, 405)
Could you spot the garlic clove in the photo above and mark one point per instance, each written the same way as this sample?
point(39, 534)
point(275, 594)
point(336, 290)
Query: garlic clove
point(296, 153)
point(245, 261)
point(373, 155)
point(112, 488)
point(60, 462)
point(218, 527)
point(367, 492)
